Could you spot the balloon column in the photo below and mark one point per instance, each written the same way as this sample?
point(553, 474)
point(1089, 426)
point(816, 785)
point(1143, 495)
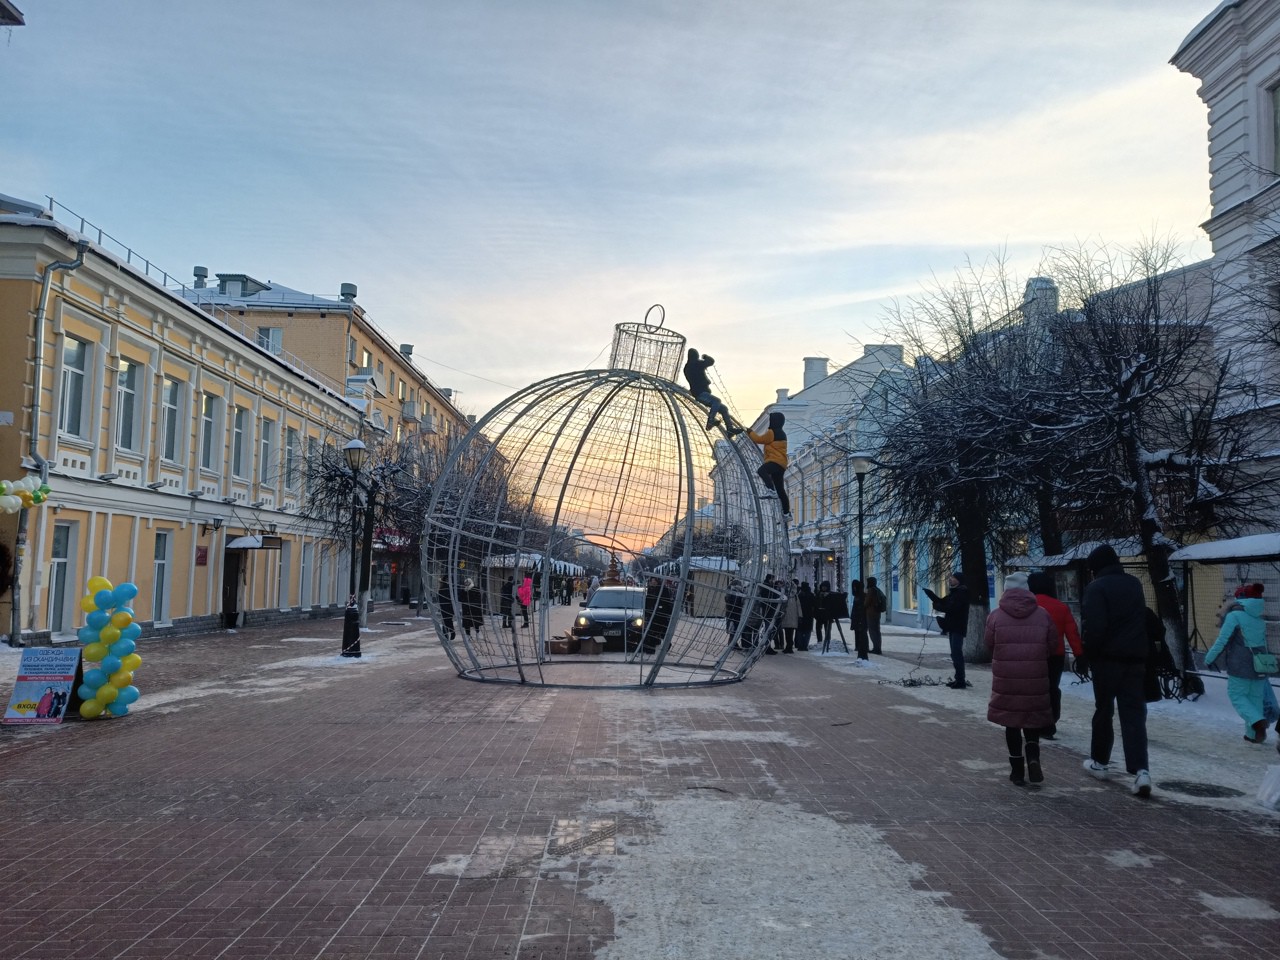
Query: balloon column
point(18, 495)
point(110, 638)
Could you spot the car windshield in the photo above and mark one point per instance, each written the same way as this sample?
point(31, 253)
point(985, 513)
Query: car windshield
point(616, 598)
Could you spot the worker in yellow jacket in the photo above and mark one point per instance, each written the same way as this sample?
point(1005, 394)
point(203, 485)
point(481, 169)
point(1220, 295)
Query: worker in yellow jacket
point(774, 441)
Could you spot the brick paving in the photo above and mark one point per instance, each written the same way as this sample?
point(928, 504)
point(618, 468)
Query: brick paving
point(269, 799)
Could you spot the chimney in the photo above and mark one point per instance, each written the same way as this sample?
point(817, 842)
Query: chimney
point(1040, 299)
point(347, 293)
point(815, 370)
point(406, 349)
point(202, 275)
point(782, 394)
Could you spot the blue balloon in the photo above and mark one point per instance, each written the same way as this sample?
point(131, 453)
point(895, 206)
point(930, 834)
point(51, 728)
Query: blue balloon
point(105, 599)
point(95, 678)
point(111, 664)
point(131, 632)
point(98, 619)
point(122, 647)
point(86, 692)
point(126, 592)
point(87, 635)
point(128, 694)
point(117, 709)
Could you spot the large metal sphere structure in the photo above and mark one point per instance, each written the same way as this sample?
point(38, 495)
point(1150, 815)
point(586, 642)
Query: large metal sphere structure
point(612, 473)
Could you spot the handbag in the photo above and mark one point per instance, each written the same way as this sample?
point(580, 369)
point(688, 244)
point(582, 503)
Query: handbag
point(1265, 665)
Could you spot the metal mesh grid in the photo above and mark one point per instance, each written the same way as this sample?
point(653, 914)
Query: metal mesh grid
point(588, 465)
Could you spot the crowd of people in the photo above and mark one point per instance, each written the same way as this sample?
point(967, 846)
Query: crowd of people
point(791, 616)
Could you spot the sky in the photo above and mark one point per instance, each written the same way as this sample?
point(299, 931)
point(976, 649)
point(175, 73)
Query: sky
point(505, 180)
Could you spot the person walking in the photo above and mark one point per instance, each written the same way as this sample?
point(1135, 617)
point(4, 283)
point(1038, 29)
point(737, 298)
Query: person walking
point(823, 614)
point(524, 593)
point(1065, 632)
point(877, 605)
point(804, 628)
point(774, 442)
point(790, 618)
point(1113, 630)
point(733, 603)
point(472, 608)
point(954, 608)
point(858, 622)
point(1019, 637)
point(505, 600)
point(1242, 635)
point(444, 600)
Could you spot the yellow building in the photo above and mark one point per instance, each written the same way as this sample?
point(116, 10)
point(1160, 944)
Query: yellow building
point(172, 442)
point(335, 342)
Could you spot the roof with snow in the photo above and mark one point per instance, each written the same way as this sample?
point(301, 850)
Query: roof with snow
point(1128, 547)
point(1260, 546)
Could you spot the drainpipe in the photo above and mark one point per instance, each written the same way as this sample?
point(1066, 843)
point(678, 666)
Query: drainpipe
point(37, 384)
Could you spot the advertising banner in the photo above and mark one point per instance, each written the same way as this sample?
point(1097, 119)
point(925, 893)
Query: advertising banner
point(42, 690)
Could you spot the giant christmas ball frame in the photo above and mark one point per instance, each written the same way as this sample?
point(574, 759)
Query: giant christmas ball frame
point(595, 465)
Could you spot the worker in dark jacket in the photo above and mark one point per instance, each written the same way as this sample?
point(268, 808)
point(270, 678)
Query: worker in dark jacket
point(1113, 630)
point(695, 372)
point(954, 610)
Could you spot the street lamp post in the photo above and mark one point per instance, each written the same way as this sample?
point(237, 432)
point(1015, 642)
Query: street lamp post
point(861, 464)
point(355, 453)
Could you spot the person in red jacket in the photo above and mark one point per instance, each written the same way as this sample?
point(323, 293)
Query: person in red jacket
point(1019, 636)
point(1064, 623)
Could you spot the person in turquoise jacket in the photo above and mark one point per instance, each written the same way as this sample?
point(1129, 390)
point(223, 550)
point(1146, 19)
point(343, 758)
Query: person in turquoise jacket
point(1243, 633)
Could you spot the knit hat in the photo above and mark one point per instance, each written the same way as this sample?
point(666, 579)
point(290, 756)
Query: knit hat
point(1102, 557)
point(1015, 581)
point(1249, 591)
point(1041, 582)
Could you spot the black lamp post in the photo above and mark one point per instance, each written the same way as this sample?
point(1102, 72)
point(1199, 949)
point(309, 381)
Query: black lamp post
point(861, 464)
point(355, 453)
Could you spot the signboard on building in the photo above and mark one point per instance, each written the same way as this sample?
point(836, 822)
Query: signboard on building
point(202, 556)
point(42, 690)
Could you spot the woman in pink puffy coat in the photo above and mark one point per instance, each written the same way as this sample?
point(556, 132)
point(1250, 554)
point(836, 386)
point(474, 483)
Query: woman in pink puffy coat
point(1020, 637)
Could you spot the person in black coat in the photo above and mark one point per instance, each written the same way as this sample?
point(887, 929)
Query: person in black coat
point(1113, 630)
point(858, 620)
point(445, 602)
point(733, 600)
point(472, 608)
point(695, 371)
point(505, 598)
point(804, 629)
point(954, 608)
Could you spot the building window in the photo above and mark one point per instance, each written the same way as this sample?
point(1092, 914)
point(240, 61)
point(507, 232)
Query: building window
point(1275, 128)
point(907, 576)
point(60, 561)
point(127, 405)
point(290, 457)
point(351, 349)
point(160, 583)
point(268, 440)
point(366, 360)
point(238, 440)
point(170, 409)
point(401, 391)
point(208, 426)
point(271, 338)
point(379, 368)
point(75, 358)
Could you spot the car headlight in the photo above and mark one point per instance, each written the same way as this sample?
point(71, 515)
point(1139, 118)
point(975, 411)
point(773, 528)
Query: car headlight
point(637, 622)
point(583, 621)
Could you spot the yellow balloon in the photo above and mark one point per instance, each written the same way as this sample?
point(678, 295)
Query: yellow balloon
point(131, 662)
point(99, 583)
point(87, 604)
point(121, 619)
point(90, 709)
point(121, 679)
point(109, 634)
point(106, 694)
point(95, 651)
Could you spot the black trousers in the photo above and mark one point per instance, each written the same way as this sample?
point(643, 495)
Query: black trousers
point(771, 474)
point(1056, 665)
point(1118, 688)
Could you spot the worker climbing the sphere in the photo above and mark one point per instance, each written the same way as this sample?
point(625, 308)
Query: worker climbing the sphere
point(774, 442)
point(695, 371)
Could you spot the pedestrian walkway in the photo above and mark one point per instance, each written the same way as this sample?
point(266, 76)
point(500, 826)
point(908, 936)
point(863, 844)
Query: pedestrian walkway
point(269, 798)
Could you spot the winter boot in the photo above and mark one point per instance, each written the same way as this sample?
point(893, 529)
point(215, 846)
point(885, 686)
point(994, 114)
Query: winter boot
point(1017, 771)
point(1033, 763)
